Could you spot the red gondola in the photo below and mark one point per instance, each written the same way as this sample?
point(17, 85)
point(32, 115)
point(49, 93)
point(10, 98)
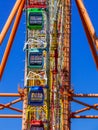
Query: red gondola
point(36, 3)
point(36, 125)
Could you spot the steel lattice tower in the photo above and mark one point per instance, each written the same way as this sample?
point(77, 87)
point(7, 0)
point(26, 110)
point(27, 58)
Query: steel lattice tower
point(47, 93)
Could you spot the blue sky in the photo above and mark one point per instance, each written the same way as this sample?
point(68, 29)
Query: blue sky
point(84, 73)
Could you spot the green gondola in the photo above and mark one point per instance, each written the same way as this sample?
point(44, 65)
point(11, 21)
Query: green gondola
point(35, 19)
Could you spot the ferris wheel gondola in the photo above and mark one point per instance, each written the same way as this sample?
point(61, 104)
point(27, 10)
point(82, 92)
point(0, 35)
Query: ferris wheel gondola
point(35, 19)
point(35, 59)
point(36, 96)
point(36, 125)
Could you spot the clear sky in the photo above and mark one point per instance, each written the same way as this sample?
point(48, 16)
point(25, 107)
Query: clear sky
point(84, 73)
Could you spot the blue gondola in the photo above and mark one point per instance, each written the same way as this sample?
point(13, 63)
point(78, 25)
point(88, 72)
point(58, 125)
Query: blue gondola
point(35, 59)
point(36, 125)
point(36, 96)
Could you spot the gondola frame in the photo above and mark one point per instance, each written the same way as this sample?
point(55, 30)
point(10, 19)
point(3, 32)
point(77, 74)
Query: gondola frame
point(32, 90)
point(34, 12)
point(35, 66)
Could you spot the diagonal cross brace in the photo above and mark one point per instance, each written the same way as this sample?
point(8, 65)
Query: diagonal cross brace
point(20, 4)
point(89, 30)
point(9, 20)
point(8, 105)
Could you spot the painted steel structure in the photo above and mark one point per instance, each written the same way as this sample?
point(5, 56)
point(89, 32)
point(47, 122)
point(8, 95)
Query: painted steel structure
point(53, 40)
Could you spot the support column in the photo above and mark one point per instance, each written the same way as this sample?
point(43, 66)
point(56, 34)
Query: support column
point(66, 65)
point(24, 124)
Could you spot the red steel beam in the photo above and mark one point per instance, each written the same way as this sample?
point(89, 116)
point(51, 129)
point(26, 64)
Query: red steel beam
point(11, 103)
point(85, 18)
point(11, 38)
point(84, 109)
point(85, 104)
point(89, 30)
point(9, 21)
point(81, 110)
point(10, 95)
point(10, 116)
point(85, 116)
point(12, 108)
point(85, 95)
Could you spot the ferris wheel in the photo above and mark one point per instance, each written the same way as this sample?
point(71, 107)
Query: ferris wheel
point(47, 92)
point(45, 63)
